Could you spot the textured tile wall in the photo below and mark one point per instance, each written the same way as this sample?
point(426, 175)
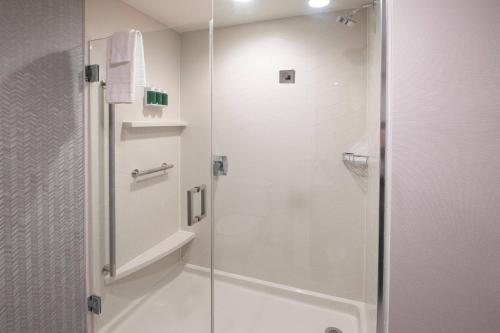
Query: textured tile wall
point(444, 118)
point(42, 266)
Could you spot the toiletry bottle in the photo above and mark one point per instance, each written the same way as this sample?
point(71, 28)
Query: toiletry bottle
point(149, 95)
point(154, 99)
point(164, 97)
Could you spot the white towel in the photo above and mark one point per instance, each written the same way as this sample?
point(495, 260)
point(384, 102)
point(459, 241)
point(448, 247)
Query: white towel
point(126, 66)
point(140, 62)
point(121, 47)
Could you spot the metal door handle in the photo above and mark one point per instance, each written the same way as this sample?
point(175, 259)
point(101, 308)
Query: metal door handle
point(193, 219)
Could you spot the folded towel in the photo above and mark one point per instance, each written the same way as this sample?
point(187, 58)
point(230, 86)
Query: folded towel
point(124, 75)
point(121, 47)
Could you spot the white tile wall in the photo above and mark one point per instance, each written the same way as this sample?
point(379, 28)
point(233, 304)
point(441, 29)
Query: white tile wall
point(289, 211)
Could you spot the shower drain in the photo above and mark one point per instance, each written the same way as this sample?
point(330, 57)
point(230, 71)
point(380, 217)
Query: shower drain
point(333, 330)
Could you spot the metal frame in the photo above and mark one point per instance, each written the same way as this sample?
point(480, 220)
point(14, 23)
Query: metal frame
point(382, 302)
point(111, 267)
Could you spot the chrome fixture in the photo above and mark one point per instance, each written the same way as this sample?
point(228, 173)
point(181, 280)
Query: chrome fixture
point(165, 166)
point(94, 304)
point(358, 164)
point(111, 267)
point(287, 76)
point(333, 330)
point(348, 20)
point(220, 165)
point(192, 218)
point(92, 73)
point(356, 160)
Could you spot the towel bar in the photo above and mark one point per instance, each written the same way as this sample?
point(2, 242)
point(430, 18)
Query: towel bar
point(163, 167)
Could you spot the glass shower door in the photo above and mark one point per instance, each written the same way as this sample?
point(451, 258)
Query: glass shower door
point(150, 174)
point(296, 123)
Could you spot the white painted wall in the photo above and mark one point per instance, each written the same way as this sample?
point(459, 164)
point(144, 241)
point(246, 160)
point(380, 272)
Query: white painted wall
point(289, 211)
point(103, 17)
point(445, 122)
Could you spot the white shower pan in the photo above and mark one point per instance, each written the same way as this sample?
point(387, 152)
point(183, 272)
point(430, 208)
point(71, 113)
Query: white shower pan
point(242, 305)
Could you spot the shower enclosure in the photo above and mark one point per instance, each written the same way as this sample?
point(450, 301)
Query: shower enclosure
point(250, 202)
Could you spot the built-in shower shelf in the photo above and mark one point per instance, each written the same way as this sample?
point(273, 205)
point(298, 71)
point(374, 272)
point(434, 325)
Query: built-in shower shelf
point(157, 252)
point(142, 123)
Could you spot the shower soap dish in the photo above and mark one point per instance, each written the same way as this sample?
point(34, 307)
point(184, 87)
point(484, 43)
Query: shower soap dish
point(356, 163)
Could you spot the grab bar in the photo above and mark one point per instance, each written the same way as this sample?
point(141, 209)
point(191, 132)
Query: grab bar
point(137, 173)
point(192, 219)
point(111, 267)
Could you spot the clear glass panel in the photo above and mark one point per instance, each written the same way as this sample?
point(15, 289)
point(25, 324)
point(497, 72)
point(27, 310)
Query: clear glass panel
point(296, 111)
point(162, 281)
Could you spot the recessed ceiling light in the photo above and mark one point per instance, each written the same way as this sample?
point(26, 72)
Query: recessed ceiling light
point(318, 3)
point(242, 0)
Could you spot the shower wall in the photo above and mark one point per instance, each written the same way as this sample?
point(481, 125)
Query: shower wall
point(196, 142)
point(289, 211)
point(42, 262)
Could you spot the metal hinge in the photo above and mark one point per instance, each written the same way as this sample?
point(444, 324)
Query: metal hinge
point(92, 73)
point(94, 304)
point(220, 165)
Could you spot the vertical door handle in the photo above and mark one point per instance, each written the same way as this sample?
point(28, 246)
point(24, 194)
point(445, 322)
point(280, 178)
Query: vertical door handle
point(192, 218)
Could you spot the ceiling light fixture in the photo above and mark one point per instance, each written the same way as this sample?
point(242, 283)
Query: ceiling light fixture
point(318, 3)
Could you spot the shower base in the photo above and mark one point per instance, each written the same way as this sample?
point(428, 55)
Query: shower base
point(181, 304)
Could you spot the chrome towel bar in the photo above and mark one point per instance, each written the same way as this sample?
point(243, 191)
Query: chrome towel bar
point(163, 167)
point(354, 159)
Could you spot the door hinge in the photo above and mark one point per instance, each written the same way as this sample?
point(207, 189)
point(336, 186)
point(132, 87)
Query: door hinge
point(92, 73)
point(94, 304)
point(220, 165)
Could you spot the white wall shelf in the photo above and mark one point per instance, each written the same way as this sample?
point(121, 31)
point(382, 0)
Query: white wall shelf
point(157, 252)
point(142, 123)
point(158, 106)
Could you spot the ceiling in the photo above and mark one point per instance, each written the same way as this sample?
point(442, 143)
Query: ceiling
point(187, 15)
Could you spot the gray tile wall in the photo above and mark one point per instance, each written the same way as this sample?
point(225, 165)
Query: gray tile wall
point(42, 263)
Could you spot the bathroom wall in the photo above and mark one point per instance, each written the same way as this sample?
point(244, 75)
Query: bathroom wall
point(196, 140)
point(42, 262)
point(290, 211)
point(103, 17)
point(445, 179)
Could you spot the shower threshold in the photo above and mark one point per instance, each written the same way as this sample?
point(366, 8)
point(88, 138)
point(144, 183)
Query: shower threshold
point(241, 305)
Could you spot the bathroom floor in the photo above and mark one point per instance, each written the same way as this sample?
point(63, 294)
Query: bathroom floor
point(242, 305)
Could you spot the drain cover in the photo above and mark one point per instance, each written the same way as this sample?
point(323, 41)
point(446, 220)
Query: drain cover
point(333, 330)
